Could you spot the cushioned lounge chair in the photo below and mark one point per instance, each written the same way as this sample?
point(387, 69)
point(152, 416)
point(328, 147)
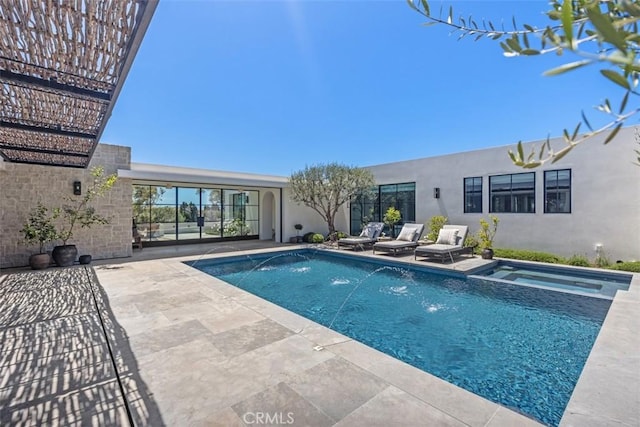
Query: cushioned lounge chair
point(450, 243)
point(368, 237)
point(407, 239)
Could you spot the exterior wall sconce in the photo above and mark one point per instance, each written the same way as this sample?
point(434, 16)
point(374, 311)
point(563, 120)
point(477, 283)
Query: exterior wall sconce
point(436, 193)
point(77, 188)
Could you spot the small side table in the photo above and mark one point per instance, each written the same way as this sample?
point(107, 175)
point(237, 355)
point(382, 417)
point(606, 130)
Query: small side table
point(423, 242)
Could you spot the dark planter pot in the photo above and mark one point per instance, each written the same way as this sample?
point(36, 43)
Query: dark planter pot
point(299, 239)
point(84, 259)
point(64, 256)
point(487, 253)
point(39, 261)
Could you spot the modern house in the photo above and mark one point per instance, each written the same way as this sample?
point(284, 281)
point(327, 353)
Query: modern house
point(586, 204)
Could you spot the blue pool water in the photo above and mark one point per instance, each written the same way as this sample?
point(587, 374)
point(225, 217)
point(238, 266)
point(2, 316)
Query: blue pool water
point(597, 284)
point(518, 346)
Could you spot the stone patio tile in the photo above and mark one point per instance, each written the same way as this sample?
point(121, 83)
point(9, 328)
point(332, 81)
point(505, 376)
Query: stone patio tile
point(349, 385)
point(278, 361)
point(164, 302)
point(394, 407)
point(167, 337)
point(507, 418)
point(218, 322)
point(225, 418)
point(96, 404)
point(358, 353)
point(249, 337)
point(137, 324)
point(323, 336)
point(21, 385)
point(282, 406)
point(476, 411)
point(159, 367)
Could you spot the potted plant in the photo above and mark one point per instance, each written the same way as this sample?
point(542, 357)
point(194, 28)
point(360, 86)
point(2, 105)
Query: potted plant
point(80, 212)
point(391, 218)
point(298, 228)
point(39, 229)
point(486, 234)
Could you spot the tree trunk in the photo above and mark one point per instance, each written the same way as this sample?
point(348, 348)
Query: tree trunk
point(332, 229)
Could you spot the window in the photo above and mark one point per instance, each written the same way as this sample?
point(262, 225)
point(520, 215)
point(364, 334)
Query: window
point(473, 195)
point(514, 193)
point(557, 191)
point(194, 213)
point(373, 208)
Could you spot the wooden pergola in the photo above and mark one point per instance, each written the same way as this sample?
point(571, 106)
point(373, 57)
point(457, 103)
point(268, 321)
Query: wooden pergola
point(62, 66)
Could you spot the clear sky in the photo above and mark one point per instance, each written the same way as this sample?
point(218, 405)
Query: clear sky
point(271, 86)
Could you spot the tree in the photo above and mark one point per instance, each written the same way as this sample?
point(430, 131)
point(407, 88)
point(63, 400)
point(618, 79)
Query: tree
point(325, 188)
point(391, 218)
point(597, 32)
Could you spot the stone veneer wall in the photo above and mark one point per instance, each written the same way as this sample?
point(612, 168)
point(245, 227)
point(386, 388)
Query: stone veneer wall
point(22, 186)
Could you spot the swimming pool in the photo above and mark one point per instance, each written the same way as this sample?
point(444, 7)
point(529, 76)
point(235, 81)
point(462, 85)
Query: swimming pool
point(598, 284)
point(522, 347)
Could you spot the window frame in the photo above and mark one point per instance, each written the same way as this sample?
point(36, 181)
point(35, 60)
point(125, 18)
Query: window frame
point(544, 184)
point(465, 192)
point(511, 193)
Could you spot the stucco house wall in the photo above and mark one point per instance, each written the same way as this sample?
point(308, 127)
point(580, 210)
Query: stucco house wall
point(22, 186)
point(605, 196)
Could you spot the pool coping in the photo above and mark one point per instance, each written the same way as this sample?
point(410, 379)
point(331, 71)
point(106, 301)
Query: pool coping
point(597, 399)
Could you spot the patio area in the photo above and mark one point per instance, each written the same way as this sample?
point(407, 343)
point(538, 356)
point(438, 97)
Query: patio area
point(150, 341)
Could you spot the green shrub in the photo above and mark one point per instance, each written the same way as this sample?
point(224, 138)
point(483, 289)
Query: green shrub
point(632, 266)
point(317, 238)
point(435, 224)
point(340, 235)
point(602, 261)
point(527, 255)
point(579, 261)
point(307, 237)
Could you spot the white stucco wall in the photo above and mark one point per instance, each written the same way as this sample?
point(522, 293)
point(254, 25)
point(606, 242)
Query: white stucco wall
point(605, 196)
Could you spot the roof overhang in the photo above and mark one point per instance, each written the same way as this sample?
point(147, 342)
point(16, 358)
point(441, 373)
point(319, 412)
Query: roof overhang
point(162, 175)
point(62, 66)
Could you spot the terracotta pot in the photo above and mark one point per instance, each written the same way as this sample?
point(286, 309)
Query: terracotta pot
point(39, 261)
point(64, 256)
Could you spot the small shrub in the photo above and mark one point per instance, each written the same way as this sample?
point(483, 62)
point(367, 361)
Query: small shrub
point(317, 238)
point(435, 224)
point(602, 261)
point(307, 237)
point(632, 266)
point(527, 255)
point(339, 235)
point(579, 261)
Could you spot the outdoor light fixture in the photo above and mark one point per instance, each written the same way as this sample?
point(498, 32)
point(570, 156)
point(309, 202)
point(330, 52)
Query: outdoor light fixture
point(77, 188)
point(436, 193)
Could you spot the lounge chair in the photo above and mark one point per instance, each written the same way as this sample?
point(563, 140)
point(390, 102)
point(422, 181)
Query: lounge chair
point(370, 234)
point(449, 244)
point(407, 239)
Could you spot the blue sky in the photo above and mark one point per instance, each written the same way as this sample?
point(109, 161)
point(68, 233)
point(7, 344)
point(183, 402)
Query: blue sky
point(271, 86)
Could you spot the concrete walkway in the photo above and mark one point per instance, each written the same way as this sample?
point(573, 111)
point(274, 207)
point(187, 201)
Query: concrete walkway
point(171, 345)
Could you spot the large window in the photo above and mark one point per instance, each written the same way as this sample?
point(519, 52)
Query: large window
point(193, 213)
point(473, 195)
point(373, 208)
point(514, 193)
point(557, 191)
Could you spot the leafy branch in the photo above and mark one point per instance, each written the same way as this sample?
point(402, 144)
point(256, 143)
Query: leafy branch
point(598, 32)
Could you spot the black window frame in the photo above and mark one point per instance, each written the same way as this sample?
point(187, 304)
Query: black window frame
point(466, 192)
point(557, 190)
point(376, 202)
point(511, 193)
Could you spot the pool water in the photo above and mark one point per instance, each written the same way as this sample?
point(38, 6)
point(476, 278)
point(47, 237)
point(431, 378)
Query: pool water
point(521, 347)
point(600, 284)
